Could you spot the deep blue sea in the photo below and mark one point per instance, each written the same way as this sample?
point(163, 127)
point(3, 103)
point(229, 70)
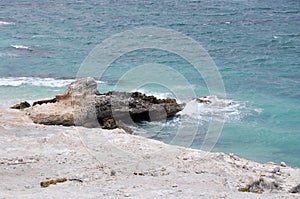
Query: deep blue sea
point(254, 44)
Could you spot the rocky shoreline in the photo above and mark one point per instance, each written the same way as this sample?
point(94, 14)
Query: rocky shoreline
point(95, 162)
point(39, 160)
point(83, 105)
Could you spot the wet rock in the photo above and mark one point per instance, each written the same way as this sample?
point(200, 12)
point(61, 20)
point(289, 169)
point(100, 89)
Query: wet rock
point(21, 105)
point(128, 108)
point(203, 100)
point(40, 102)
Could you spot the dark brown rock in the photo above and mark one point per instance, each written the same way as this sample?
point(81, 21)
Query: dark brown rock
point(21, 105)
point(133, 107)
point(40, 102)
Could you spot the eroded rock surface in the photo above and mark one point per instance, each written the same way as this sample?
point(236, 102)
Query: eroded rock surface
point(83, 105)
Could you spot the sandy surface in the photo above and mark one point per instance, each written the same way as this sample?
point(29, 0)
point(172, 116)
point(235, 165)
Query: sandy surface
point(112, 164)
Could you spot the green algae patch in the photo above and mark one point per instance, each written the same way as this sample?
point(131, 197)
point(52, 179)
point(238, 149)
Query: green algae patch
point(47, 183)
point(244, 189)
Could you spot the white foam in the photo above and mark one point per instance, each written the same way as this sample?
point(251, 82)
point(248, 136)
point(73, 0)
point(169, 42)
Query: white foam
point(259, 110)
point(218, 108)
point(36, 81)
point(6, 23)
point(20, 47)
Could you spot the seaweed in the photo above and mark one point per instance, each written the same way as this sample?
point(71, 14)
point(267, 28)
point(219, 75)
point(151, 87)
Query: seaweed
point(47, 183)
point(244, 189)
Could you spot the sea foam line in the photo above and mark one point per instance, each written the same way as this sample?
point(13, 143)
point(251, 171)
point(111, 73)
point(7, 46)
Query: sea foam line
point(6, 23)
point(35, 81)
point(20, 47)
point(227, 109)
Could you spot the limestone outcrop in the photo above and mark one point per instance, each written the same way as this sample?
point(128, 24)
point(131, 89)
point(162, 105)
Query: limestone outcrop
point(82, 105)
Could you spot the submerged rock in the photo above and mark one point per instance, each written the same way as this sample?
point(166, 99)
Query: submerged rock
point(82, 105)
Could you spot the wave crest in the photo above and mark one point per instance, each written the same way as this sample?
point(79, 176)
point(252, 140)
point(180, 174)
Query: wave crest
point(6, 23)
point(34, 81)
point(20, 47)
point(218, 108)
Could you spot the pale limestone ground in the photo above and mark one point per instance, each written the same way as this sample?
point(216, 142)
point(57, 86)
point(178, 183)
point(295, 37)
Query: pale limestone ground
point(31, 153)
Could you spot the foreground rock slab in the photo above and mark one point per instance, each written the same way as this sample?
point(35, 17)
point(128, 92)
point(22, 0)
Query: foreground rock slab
point(99, 163)
point(83, 105)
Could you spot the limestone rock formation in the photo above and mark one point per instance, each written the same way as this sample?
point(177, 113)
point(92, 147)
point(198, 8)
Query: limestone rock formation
point(82, 105)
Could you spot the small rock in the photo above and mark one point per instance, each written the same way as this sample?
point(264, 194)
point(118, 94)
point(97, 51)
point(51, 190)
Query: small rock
point(21, 105)
point(295, 189)
point(232, 156)
point(27, 186)
point(199, 172)
point(112, 172)
point(203, 100)
point(282, 164)
point(126, 195)
point(276, 170)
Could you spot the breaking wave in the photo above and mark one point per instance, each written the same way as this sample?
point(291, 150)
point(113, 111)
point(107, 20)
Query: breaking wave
point(35, 81)
point(6, 23)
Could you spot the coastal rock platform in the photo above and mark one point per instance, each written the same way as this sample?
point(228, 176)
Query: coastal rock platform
point(42, 161)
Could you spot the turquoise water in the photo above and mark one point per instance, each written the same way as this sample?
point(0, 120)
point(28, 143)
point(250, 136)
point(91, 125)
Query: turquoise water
point(255, 45)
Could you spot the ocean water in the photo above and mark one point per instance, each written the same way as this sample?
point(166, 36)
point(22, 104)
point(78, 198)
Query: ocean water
point(254, 44)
